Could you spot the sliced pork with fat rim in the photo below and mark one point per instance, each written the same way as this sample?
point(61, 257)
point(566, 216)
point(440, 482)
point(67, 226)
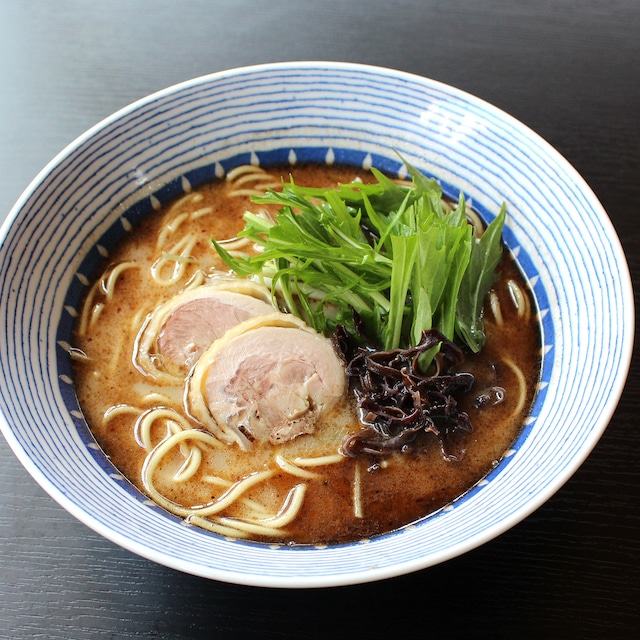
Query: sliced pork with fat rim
point(268, 379)
point(177, 332)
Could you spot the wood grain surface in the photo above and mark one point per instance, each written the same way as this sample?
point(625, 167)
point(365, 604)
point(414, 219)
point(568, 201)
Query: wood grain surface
point(570, 69)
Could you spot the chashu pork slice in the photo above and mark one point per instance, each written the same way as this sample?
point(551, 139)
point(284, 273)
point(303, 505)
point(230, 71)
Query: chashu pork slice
point(268, 380)
point(178, 332)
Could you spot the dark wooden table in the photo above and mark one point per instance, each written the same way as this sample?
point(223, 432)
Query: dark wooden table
point(570, 69)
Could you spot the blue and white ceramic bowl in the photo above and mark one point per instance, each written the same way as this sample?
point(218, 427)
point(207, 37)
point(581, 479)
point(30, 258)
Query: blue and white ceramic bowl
point(85, 199)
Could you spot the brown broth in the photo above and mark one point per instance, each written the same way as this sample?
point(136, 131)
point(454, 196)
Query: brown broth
point(400, 490)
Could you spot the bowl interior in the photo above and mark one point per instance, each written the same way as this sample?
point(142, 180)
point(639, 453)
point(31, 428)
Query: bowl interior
point(107, 181)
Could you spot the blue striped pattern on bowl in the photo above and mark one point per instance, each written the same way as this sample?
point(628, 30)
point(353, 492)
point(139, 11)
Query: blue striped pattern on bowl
point(107, 180)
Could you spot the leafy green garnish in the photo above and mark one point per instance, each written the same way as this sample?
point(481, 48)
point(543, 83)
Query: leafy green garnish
point(476, 283)
point(397, 255)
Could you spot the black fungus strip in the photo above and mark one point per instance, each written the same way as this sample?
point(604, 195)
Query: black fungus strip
point(397, 401)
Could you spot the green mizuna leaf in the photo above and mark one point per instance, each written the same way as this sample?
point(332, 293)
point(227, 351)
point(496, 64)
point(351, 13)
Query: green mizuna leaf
point(476, 283)
point(397, 255)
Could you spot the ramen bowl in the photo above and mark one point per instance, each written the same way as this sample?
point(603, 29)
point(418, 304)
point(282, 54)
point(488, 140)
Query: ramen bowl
point(82, 203)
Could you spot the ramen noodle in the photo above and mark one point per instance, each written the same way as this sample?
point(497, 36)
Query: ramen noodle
point(154, 348)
